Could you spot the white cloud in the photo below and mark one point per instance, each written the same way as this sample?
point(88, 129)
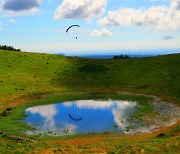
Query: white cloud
point(175, 4)
point(98, 104)
point(48, 112)
point(91, 104)
point(124, 108)
point(159, 18)
point(1, 28)
point(11, 21)
point(49, 122)
point(102, 32)
point(20, 13)
point(80, 9)
point(19, 7)
point(168, 37)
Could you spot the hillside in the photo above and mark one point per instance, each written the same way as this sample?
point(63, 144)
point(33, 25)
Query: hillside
point(23, 73)
point(31, 79)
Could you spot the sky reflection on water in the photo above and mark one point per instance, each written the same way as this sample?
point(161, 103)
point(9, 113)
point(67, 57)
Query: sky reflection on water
point(81, 116)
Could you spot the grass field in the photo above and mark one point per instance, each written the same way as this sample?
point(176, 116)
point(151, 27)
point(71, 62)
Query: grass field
point(28, 79)
point(31, 73)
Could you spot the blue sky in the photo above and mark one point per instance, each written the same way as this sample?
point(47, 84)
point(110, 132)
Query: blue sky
point(40, 25)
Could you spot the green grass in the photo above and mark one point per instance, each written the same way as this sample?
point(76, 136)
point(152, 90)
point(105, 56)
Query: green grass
point(153, 144)
point(30, 73)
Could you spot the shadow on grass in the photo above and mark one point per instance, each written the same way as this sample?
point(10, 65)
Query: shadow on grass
point(93, 68)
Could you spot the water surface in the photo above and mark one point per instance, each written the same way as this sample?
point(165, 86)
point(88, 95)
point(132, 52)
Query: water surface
point(81, 116)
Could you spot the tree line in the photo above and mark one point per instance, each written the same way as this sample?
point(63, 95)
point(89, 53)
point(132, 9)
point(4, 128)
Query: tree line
point(121, 57)
point(9, 48)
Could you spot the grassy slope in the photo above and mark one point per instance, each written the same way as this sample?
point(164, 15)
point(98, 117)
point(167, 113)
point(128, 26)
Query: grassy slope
point(30, 73)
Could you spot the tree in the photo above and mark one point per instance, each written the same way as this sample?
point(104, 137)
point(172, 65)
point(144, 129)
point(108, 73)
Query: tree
point(121, 57)
point(9, 48)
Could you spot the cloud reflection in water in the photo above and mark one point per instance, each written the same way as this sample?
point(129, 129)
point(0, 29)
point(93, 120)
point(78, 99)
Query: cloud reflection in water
point(97, 116)
point(47, 112)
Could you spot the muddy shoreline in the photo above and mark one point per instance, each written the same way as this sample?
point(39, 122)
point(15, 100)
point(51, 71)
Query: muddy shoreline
point(168, 115)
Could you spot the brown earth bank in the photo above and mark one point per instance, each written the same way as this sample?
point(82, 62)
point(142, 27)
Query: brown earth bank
point(103, 143)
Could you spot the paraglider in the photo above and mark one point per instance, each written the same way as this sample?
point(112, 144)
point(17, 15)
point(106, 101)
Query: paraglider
point(75, 119)
point(71, 27)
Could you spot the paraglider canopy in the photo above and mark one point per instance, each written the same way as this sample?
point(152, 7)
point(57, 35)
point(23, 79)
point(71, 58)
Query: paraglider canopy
point(75, 119)
point(71, 27)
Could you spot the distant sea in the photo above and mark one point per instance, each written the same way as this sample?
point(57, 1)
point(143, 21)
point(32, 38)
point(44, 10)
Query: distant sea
point(130, 53)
